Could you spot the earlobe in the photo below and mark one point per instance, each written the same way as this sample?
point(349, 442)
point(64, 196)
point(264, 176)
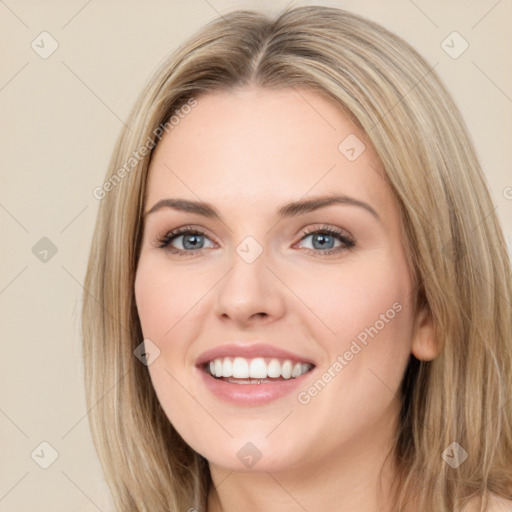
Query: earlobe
point(425, 345)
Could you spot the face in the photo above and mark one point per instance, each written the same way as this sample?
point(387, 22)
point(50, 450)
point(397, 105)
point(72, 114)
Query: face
point(284, 320)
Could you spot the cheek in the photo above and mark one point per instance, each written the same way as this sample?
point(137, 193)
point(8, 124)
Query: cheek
point(352, 298)
point(367, 310)
point(164, 296)
point(365, 313)
point(168, 303)
point(152, 300)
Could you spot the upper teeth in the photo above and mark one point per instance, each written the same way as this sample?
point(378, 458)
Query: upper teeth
point(257, 368)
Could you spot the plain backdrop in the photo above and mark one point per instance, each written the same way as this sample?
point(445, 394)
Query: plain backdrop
point(60, 116)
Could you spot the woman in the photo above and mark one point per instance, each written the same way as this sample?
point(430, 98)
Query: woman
point(298, 293)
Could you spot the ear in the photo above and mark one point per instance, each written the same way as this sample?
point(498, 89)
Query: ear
point(425, 345)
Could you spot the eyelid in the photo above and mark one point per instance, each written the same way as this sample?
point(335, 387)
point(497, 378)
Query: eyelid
point(172, 234)
point(346, 239)
point(325, 228)
point(163, 241)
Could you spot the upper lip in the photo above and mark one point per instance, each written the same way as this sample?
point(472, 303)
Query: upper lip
point(249, 352)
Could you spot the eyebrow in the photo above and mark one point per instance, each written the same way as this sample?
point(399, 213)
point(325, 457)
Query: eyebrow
point(290, 209)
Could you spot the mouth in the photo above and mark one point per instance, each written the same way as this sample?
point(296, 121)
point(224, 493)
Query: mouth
point(252, 375)
point(257, 370)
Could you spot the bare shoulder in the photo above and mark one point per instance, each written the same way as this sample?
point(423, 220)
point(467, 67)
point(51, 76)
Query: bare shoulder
point(495, 504)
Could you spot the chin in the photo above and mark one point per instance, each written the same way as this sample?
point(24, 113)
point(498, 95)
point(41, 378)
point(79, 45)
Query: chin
point(254, 454)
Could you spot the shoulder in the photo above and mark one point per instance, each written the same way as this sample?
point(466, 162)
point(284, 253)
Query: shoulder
point(499, 505)
point(495, 504)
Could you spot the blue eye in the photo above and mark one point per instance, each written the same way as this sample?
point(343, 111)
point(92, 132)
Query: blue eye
point(193, 240)
point(324, 239)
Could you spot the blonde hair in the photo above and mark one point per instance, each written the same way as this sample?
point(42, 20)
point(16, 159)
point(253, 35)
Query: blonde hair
point(454, 243)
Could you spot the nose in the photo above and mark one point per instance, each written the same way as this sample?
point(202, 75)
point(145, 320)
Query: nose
point(249, 293)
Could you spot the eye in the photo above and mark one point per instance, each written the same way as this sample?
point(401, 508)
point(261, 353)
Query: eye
point(324, 240)
point(188, 240)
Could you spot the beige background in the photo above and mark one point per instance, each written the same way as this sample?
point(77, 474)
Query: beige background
point(60, 118)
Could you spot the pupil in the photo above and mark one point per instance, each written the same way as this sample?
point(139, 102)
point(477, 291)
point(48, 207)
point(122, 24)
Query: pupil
point(191, 244)
point(322, 240)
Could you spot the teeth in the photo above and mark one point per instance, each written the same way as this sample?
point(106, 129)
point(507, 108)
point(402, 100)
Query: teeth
point(218, 366)
point(227, 367)
point(257, 368)
point(297, 370)
point(286, 370)
point(240, 368)
point(274, 369)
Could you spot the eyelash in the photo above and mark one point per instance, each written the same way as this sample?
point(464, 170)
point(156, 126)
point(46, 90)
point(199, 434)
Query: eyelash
point(164, 242)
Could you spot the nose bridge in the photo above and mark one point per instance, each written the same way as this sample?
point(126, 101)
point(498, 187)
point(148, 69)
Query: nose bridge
point(249, 288)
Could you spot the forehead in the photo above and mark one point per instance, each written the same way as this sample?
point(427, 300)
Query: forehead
point(261, 146)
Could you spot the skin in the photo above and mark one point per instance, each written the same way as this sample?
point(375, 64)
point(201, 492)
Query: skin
point(247, 153)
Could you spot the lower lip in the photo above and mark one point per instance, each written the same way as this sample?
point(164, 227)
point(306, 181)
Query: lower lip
point(251, 394)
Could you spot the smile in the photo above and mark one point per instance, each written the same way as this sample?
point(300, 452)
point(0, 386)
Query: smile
point(248, 375)
point(258, 370)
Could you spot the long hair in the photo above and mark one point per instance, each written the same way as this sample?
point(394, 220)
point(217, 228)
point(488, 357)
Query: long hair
point(454, 244)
